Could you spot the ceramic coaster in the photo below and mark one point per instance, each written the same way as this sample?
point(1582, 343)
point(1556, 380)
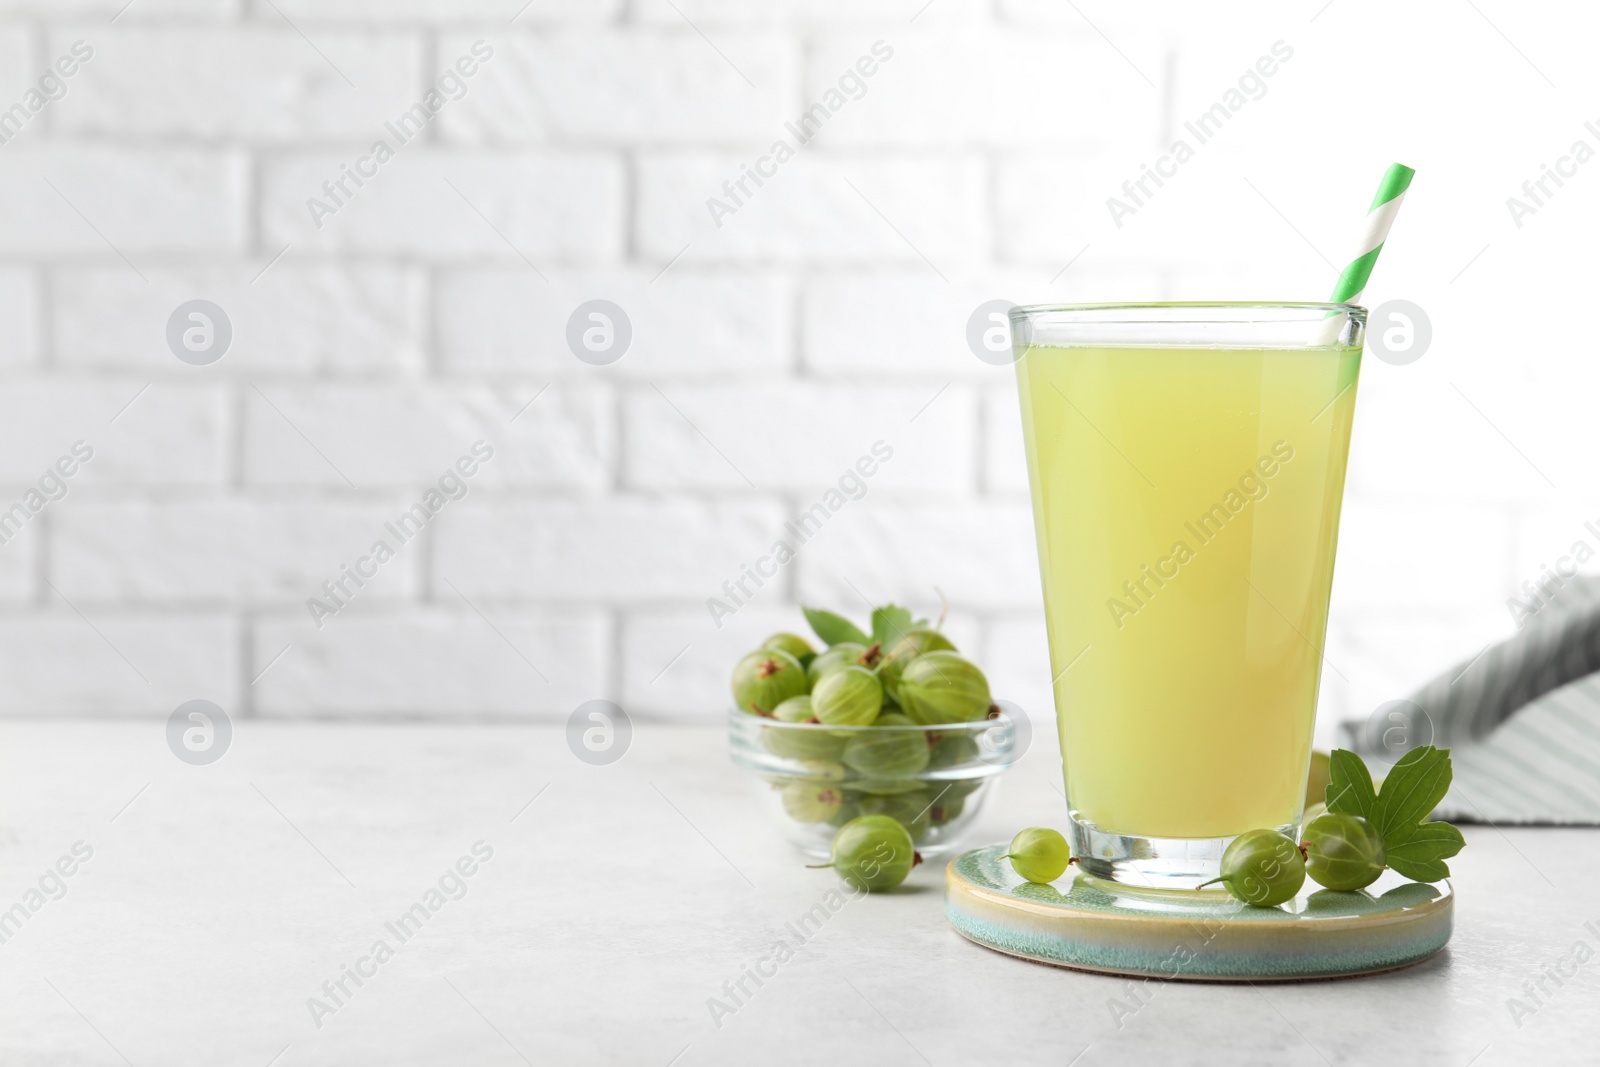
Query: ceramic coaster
point(1096, 925)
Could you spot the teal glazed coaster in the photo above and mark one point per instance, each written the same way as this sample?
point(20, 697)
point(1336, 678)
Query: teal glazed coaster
point(1096, 925)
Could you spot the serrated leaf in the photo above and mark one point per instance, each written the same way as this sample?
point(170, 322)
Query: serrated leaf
point(1421, 855)
point(1411, 790)
point(1350, 790)
point(889, 624)
point(834, 629)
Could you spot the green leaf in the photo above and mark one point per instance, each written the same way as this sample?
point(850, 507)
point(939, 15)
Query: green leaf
point(834, 629)
point(1421, 855)
point(1350, 790)
point(889, 624)
point(1412, 789)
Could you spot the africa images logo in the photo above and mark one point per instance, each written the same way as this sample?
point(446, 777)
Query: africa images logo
point(1252, 488)
point(851, 85)
point(406, 127)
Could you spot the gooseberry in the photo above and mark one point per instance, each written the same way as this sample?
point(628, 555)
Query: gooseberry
point(822, 770)
point(849, 810)
point(1262, 867)
point(872, 852)
point(844, 654)
point(1039, 854)
point(941, 687)
point(848, 696)
point(912, 810)
point(1318, 775)
point(918, 641)
point(794, 644)
point(903, 651)
point(888, 749)
point(884, 787)
point(800, 744)
point(811, 802)
point(947, 805)
point(951, 750)
point(766, 678)
point(1343, 851)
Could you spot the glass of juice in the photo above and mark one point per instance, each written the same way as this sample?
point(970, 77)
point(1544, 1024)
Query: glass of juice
point(1187, 463)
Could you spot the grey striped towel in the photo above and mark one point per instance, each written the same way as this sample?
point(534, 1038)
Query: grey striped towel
point(1522, 718)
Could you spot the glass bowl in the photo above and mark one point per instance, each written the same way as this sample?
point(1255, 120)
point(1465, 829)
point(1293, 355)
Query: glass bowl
point(813, 778)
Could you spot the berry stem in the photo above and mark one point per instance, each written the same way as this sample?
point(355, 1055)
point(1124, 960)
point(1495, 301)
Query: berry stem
point(1213, 881)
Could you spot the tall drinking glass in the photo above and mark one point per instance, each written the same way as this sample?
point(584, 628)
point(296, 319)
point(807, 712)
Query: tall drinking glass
point(1187, 463)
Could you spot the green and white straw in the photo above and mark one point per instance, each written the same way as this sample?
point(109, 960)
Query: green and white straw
point(1380, 216)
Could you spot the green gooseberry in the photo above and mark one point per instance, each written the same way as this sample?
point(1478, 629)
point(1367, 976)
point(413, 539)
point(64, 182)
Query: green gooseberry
point(964, 787)
point(848, 696)
point(811, 801)
point(949, 799)
point(844, 654)
point(1039, 854)
point(883, 787)
point(796, 709)
point(847, 811)
point(794, 644)
point(1318, 777)
point(800, 744)
point(941, 687)
point(872, 852)
point(906, 649)
point(822, 770)
point(911, 810)
point(920, 640)
point(1262, 867)
point(1343, 851)
point(888, 749)
point(951, 750)
point(947, 805)
point(766, 678)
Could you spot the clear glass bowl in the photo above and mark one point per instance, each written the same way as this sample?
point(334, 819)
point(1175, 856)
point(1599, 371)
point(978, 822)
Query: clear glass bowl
point(813, 778)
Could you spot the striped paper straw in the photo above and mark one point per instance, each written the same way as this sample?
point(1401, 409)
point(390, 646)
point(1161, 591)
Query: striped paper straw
point(1380, 216)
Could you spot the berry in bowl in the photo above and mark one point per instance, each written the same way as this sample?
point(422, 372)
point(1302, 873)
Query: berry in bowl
point(893, 723)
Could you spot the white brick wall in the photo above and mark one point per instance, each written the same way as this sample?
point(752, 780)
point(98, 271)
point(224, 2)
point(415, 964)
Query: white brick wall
point(261, 83)
point(643, 88)
point(741, 437)
point(811, 213)
point(19, 309)
point(297, 319)
point(73, 198)
point(220, 553)
point(498, 322)
point(827, 311)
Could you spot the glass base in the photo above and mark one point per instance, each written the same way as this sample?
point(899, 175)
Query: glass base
point(1152, 862)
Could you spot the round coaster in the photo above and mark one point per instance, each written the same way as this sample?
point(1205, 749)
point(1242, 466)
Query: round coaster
point(1096, 925)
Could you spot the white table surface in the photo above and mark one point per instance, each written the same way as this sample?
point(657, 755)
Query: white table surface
point(221, 898)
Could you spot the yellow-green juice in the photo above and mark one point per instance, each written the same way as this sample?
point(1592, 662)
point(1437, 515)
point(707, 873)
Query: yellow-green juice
point(1186, 502)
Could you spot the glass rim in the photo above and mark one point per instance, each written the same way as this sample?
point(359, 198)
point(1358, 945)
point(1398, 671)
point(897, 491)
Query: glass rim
point(1086, 312)
point(744, 720)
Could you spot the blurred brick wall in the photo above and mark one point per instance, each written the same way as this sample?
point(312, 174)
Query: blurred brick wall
point(826, 312)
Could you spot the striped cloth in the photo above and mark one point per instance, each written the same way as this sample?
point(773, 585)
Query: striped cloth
point(1522, 718)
